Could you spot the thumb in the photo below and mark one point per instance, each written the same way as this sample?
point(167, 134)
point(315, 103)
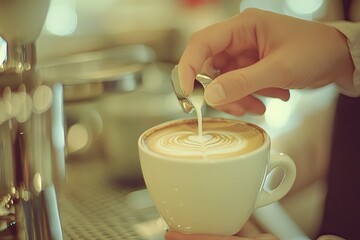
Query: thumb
point(234, 85)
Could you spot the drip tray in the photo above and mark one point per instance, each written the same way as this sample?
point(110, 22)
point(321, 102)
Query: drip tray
point(94, 207)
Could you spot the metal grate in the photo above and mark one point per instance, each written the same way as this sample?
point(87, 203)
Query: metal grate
point(94, 207)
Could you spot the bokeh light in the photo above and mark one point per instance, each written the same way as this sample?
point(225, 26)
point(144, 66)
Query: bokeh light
point(77, 137)
point(304, 6)
point(3, 51)
point(280, 114)
point(62, 18)
point(269, 5)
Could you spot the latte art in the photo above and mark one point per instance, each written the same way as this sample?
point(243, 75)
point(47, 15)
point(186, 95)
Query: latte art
point(188, 144)
point(226, 138)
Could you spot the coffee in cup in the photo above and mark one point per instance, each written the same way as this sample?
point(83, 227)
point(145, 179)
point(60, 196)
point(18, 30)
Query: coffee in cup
point(220, 139)
point(210, 183)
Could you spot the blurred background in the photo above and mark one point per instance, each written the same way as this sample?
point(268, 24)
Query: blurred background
point(104, 187)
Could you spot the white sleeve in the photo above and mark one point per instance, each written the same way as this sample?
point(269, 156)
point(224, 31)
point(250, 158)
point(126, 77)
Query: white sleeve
point(351, 31)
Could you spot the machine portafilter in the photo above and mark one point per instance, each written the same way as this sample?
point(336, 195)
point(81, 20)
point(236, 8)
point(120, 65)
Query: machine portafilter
point(31, 133)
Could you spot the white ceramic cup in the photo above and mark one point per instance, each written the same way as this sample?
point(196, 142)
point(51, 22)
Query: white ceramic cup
point(212, 197)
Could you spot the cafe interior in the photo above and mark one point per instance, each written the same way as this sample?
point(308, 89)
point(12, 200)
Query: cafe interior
point(103, 78)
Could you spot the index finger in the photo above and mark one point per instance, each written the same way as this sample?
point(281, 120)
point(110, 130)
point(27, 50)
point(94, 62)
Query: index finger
point(202, 45)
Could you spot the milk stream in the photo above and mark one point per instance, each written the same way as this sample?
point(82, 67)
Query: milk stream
point(198, 100)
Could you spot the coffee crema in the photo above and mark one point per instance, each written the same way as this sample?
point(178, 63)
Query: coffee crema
point(220, 138)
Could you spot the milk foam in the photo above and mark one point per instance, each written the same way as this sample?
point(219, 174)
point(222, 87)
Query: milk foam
point(210, 143)
point(220, 138)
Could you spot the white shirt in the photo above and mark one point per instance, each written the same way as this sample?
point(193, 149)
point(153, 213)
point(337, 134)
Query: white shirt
point(351, 31)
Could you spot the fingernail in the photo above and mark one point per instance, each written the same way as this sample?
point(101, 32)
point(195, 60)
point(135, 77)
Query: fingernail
point(214, 93)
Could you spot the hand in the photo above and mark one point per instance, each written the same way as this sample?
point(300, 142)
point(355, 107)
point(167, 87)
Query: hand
point(264, 236)
point(250, 230)
point(263, 53)
point(181, 236)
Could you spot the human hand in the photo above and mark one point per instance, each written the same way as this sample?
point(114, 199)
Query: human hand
point(263, 53)
point(249, 231)
point(263, 236)
point(181, 236)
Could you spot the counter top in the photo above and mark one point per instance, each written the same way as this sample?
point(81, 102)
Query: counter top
point(94, 206)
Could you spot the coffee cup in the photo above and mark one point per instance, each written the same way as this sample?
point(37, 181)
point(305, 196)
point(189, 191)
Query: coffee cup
point(210, 184)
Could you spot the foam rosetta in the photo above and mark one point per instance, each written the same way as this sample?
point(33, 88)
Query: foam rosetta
point(227, 138)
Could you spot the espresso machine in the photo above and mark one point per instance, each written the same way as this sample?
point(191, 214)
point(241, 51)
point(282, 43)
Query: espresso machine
point(31, 128)
point(33, 119)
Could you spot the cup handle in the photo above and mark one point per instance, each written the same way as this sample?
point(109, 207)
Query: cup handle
point(286, 163)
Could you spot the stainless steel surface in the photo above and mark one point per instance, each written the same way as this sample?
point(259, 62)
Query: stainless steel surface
point(93, 206)
point(32, 141)
point(29, 208)
point(202, 81)
point(39, 217)
point(27, 163)
point(95, 74)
